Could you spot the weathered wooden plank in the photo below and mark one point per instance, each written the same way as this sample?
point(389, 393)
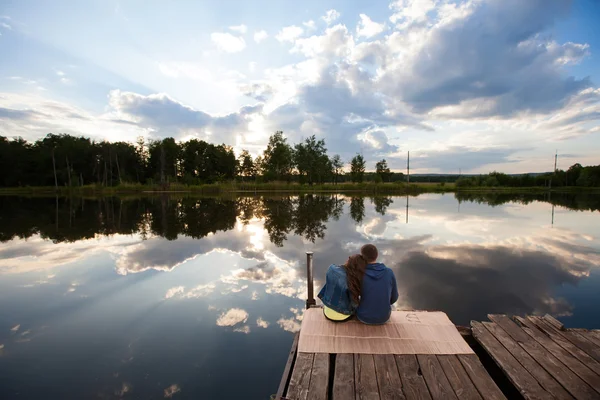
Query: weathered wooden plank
point(300, 380)
point(413, 384)
point(593, 337)
point(343, 378)
point(583, 343)
point(566, 344)
point(388, 378)
point(553, 321)
point(458, 378)
point(480, 378)
point(527, 385)
point(288, 367)
point(319, 377)
point(532, 366)
point(585, 373)
point(436, 380)
point(570, 381)
point(365, 379)
point(588, 335)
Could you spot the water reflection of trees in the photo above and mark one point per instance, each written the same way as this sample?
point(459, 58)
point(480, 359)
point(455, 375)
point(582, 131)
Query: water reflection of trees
point(581, 201)
point(71, 219)
point(357, 209)
point(76, 218)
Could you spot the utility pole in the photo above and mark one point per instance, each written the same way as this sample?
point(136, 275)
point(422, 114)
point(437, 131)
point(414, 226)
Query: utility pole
point(54, 168)
point(408, 168)
point(555, 160)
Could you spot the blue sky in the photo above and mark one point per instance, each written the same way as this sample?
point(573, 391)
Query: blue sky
point(473, 85)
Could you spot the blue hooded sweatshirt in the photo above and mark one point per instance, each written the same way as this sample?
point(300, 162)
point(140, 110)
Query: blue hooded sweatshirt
point(378, 293)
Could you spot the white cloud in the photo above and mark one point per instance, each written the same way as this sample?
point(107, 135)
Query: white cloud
point(310, 25)
point(194, 293)
point(259, 36)
point(289, 33)
point(15, 328)
point(411, 10)
point(228, 42)
point(330, 16)
point(239, 28)
point(200, 291)
point(162, 113)
point(336, 42)
point(367, 28)
point(6, 26)
point(232, 317)
point(174, 291)
point(262, 323)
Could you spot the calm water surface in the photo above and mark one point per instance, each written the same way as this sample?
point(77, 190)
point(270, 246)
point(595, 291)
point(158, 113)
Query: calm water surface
point(178, 297)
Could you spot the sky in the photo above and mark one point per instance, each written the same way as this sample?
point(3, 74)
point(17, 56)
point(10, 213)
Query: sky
point(470, 86)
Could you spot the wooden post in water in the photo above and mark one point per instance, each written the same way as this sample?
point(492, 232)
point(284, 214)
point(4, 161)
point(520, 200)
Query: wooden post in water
point(310, 299)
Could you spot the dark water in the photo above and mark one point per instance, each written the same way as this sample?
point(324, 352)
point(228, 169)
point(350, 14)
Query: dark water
point(177, 297)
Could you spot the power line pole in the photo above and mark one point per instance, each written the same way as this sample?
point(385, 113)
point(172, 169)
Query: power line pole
point(553, 172)
point(408, 168)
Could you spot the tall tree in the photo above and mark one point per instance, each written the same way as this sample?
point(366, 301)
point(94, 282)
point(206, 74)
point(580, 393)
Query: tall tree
point(278, 158)
point(164, 159)
point(337, 164)
point(382, 170)
point(246, 165)
point(357, 168)
point(310, 158)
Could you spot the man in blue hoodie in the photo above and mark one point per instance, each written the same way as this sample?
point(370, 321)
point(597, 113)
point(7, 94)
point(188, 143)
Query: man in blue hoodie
point(379, 290)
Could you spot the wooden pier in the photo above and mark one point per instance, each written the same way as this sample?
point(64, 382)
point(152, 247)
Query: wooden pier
point(531, 358)
point(541, 358)
point(386, 376)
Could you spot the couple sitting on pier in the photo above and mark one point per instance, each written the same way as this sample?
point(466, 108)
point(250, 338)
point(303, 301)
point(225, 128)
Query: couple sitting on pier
point(362, 287)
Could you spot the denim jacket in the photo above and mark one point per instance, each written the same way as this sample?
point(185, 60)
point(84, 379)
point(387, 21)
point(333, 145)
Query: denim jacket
point(335, 293)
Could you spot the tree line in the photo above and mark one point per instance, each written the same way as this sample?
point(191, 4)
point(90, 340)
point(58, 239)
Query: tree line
point(66, 160)
point(576, 175)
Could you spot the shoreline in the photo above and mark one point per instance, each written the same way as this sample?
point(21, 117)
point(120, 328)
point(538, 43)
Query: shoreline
point(293, 188)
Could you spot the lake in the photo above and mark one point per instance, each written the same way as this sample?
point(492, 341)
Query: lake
point(197, 297)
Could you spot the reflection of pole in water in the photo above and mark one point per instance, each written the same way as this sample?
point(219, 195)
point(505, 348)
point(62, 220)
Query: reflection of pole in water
point(407, 209)
point(550, 201)
point(56, 212)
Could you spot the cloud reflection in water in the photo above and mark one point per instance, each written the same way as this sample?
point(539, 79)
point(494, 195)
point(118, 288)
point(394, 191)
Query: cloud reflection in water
point(197, 283)
point(467, 262)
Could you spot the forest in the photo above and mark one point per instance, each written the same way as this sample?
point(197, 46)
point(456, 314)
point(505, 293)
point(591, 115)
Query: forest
point(65, 160)
point(71, 161)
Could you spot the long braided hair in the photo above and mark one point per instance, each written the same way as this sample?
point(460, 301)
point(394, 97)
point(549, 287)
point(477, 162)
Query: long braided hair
point(355, 271)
